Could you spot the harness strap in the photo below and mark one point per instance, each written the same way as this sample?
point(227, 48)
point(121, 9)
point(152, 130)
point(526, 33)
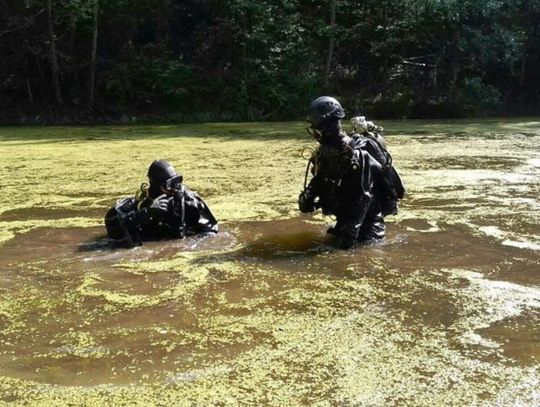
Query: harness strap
point(179, 209)
point(307, 172)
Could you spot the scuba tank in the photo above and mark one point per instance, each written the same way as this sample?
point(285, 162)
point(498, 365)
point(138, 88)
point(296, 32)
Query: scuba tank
point(391, 188)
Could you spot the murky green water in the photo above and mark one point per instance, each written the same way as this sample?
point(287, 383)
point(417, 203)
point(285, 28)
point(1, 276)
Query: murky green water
point(444, 312)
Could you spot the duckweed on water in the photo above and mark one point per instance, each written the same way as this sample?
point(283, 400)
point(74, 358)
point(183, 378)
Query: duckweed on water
point(267, 312)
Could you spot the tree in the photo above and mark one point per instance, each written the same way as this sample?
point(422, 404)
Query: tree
point(53, 55)
point(92, 70)
point(331, 41)
point(245, 60)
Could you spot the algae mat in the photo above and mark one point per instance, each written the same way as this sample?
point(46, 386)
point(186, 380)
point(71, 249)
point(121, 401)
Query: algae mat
point(268, 312)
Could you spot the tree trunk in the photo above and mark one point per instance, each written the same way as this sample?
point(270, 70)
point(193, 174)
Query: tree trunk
point(91, 80)
point(44, 83)
point(527, 28)
point(245, 81)
point(331, 43)
point(54, 57)
point(74, 68)
point(523, 69)
point(454, 63)
point(29, 92)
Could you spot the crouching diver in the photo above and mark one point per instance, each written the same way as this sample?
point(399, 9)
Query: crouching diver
point(164, 208)
point(353, 177)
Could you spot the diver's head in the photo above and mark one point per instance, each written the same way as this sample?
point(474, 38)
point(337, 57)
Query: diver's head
point(163, 178)
point(324, 116)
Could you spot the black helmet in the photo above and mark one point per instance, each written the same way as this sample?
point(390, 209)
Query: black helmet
point(162, 173)
point(322, 109)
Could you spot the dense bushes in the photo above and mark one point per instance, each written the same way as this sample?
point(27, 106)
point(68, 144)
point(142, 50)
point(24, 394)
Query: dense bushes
point(190, 60)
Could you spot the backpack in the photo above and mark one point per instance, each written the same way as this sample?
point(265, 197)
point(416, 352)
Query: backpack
point(389, 190)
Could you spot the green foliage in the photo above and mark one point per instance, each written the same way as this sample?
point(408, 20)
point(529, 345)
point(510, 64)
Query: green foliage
point(479, 99)
point(244, 60)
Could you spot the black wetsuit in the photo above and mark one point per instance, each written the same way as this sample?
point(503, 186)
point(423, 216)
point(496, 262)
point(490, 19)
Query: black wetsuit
point(184, 214)
point(348, 182)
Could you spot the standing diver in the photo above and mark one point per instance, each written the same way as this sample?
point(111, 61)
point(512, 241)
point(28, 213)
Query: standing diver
point(353, 177)
point(164, 208)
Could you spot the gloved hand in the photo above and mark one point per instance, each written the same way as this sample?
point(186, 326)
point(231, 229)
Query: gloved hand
point(160, 204)
point(306, 203)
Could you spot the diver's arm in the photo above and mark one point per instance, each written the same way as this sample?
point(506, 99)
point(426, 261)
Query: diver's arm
point(306, 199)
point(205, 221)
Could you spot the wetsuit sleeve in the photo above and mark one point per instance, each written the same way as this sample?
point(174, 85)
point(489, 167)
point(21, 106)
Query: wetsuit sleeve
point(198, 218)
point(306, 199)
point(206, 222)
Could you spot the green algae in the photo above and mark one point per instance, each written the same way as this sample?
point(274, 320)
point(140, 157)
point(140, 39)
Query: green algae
point(111, 161)
point(191, 275)
point(272, 319)
point(13, 228)
point(100, 168)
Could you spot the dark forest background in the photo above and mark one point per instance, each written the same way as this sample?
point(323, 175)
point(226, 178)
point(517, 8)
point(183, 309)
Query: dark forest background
point(71, 61)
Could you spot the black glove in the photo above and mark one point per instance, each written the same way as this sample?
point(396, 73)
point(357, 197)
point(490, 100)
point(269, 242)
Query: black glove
point(306, 202)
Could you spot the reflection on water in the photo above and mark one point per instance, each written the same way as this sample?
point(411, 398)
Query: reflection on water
point(445, 311)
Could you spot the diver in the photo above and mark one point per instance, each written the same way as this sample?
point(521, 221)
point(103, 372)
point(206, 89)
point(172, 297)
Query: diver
point(164, 208)
point(353, 176)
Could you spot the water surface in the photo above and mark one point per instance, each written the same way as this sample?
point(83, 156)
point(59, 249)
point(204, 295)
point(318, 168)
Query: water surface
point(445, 311)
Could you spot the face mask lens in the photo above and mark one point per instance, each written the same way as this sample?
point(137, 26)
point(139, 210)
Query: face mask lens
point(173, 183)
